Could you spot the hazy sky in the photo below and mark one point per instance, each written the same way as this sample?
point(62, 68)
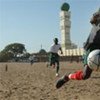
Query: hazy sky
point(37, 22)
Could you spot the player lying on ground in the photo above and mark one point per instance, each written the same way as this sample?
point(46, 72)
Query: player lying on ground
point(92, 43)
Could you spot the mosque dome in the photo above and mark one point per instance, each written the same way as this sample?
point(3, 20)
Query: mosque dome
point(42, 51)
point(65, 7)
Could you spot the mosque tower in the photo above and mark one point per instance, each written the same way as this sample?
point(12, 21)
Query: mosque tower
point(65, 25)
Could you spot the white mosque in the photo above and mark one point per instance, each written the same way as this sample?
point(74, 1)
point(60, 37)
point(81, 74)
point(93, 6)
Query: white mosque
point(68, 47)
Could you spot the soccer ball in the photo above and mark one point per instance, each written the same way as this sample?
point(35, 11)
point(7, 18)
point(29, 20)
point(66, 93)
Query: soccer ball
point(93, 59)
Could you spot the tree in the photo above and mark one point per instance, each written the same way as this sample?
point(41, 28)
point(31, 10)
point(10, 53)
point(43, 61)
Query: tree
point(15, 48)
point(5, 56)
point(12, 51)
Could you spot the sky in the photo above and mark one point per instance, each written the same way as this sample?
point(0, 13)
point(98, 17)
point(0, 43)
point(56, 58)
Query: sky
point(35, 23)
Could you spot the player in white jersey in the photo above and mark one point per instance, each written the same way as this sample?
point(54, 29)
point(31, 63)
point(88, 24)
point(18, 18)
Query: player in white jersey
point(54, 56)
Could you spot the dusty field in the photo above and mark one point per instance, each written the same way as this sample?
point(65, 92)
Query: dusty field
point(37, 82)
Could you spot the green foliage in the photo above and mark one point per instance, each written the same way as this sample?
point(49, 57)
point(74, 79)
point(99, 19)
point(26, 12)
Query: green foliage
point(11, 51)
point(5, 56)
point(15, 48)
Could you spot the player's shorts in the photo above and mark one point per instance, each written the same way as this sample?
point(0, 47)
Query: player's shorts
point(53, 58)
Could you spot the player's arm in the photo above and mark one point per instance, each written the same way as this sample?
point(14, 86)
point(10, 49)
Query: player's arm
point(87, 44)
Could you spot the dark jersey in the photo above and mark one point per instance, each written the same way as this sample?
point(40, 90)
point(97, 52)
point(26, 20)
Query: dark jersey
point(93, 41)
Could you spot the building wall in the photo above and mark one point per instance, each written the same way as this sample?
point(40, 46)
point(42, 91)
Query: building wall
point(74, 52)
point(65, 25)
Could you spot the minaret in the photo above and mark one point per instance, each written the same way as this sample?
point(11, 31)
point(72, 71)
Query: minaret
point(65, 25)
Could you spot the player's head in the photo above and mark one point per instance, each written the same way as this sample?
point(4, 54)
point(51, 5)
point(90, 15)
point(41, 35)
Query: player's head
point(56, 40)
point(95, 18)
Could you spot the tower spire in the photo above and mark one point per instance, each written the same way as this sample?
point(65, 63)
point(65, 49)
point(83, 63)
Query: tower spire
point(65, 25)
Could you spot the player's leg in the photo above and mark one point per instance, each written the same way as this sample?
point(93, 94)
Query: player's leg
point(86, 73)
point(51, 60)
point(57, 69)
point(79, 75)
point(57, 66)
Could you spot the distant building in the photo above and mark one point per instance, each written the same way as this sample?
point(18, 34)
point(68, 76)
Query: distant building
point(68, 47)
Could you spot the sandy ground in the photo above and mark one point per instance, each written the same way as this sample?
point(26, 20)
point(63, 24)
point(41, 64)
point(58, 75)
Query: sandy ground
point(37, 82)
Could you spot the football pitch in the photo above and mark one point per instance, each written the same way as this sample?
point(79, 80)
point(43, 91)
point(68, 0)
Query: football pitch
point(21, 81)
